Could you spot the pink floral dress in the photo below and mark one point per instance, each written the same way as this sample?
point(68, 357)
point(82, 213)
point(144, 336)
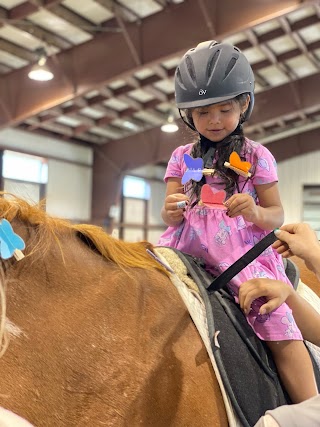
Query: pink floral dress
point(209, 234)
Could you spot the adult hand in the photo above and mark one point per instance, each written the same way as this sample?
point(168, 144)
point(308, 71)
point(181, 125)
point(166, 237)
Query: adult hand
point(275, 291)
point(242, 204)
point(300, 240)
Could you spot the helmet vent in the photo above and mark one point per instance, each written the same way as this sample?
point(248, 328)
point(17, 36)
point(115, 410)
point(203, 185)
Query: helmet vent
point(213, 43)
point(179, 79)
point(213, 62)
point(191, 70)
point(230, 66)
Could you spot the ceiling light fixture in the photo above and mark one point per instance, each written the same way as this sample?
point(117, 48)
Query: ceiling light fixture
point(40, 70)
point(170, 125)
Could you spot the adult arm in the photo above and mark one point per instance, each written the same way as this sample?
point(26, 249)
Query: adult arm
point(9, 419)
point(302, 414)
point(300, 240)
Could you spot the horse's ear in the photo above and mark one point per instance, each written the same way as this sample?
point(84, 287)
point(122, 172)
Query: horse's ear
point(88, 242)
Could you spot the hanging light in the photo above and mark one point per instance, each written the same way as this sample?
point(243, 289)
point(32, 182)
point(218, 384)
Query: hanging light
point(170, 125)
point(40, 71)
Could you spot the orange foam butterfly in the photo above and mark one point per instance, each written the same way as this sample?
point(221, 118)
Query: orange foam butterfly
point(239, 166)
point(211, 199)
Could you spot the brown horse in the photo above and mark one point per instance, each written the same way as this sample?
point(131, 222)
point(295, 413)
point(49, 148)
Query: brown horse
point(100, 336)
point(105, 339)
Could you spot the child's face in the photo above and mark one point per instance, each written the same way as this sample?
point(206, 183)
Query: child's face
point(217, 121)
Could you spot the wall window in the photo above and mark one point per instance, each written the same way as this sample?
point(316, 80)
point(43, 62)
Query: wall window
point(311, 206)
point(135, 187)
point(24, 176)
point(140, 207)
point(23, 167)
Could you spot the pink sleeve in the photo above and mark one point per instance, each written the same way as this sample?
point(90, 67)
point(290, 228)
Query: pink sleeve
point(264, 166)
point(176, 166)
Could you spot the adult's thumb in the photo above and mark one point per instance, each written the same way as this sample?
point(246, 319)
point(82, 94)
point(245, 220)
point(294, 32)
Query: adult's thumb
point(282, 235)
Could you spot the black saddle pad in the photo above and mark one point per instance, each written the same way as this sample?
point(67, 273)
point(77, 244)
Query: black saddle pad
point(244, 361)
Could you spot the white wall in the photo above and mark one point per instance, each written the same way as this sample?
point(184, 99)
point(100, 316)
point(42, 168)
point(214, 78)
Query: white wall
point(69, 187)
point(26, 142)
point(69, 190)
point(293, 174)
point(27, 190)
point(158, 190)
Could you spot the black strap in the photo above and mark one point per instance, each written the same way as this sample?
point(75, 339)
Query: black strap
point(208, 158)
point(242, 262)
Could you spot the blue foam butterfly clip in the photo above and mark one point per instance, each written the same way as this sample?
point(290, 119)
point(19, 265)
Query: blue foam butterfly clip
point(10, 242)
point(195, 169)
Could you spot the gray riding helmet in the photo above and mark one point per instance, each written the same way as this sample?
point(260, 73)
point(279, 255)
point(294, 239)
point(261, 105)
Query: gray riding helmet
point(213, 72)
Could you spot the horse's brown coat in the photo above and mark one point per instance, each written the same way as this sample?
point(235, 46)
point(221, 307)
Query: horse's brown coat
point(102, 344)
point(307, 276)
point(106, 340)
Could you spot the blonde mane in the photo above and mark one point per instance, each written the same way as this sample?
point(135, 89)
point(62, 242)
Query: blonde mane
point(124, 254)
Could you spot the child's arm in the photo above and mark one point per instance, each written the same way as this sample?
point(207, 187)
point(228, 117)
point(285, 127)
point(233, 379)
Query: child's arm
point(171, 213)
point(268, 215)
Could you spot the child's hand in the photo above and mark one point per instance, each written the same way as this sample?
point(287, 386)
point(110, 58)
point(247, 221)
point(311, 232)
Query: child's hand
point(242, 204)
point(174, 206)
point(275, 291)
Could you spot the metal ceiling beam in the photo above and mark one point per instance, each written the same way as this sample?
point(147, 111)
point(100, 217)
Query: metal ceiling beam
point(81, 69)
point(73, 18)
point(296, 145)
point(16, 50)
point(286, 99)
point(270, 105)
point(46, 36)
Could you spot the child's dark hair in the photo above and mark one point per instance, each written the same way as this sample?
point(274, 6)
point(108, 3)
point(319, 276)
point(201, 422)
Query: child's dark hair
point(233, 142)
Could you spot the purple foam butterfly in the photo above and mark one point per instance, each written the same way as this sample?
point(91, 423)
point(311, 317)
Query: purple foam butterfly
point(194, 169)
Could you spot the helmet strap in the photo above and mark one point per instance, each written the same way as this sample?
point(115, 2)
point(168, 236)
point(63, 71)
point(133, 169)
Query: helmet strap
point(209, 148)
point(186, 121)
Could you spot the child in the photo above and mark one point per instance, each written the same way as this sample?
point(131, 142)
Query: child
point(214, 86)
